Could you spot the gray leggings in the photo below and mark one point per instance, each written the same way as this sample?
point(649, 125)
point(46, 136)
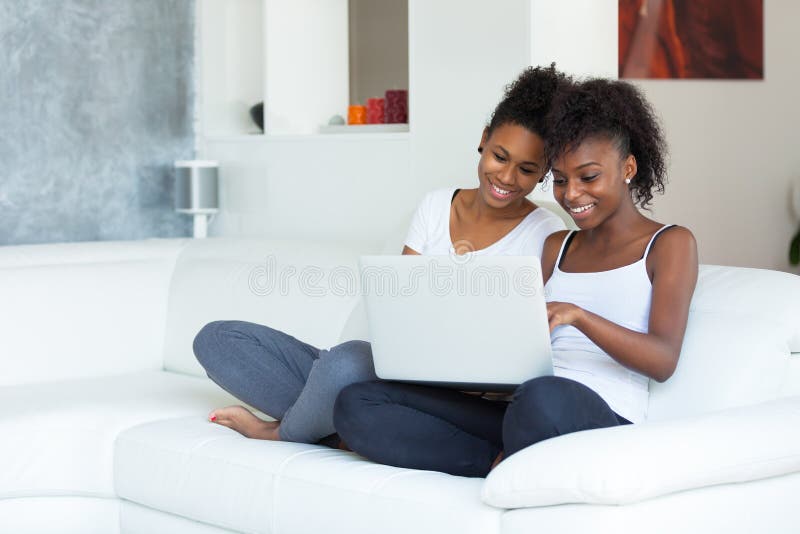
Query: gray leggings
point(283, 377)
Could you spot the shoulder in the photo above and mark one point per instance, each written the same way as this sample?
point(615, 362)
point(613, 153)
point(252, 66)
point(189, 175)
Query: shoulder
point(674, 240)
point(553, 244)
point(674, 251)
point(437, 200)
point(441, 194)
point(550, 252)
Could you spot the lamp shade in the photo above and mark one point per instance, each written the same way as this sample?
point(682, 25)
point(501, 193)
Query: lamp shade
point(196, 186)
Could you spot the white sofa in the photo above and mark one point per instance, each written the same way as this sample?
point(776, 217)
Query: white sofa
point(104, 430)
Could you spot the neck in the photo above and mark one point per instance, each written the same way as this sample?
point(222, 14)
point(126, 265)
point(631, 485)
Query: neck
point(620, 225)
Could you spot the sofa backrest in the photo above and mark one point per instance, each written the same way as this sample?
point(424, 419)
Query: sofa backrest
point(76, 310)
point(744, 325)
point(303, 288)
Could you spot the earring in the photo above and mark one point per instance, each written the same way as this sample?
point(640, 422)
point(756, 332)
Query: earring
point(627, 180)
point(480, 150)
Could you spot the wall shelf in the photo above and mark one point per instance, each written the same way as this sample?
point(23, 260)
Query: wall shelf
point(363, 128)
point(282, 53)
point(358, 136)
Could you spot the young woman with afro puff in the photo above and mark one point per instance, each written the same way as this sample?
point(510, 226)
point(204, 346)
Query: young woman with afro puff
point(296, 383)
point(618, 302)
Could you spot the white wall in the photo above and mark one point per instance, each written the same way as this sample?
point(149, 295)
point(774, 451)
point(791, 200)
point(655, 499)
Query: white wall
point(331, 187)
point(231, 64)
point(462, 54)
point(378, 48)
point(365, 187)
point(579, 35)
point(306, 75)
point(734, 153)
point(733, 143)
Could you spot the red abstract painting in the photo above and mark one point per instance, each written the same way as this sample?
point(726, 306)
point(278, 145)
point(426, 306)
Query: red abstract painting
point(691, 39)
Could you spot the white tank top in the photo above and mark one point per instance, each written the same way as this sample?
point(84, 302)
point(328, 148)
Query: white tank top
point(621, 295)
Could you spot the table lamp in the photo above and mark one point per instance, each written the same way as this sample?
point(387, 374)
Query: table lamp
point(196, 192)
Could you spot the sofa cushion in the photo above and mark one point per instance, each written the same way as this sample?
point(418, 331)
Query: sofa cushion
point(58, 437)
point(137, 519)
point(305, 289)
point(743, 326)
point(208, 473)
point(632, 463)
point(760, 506)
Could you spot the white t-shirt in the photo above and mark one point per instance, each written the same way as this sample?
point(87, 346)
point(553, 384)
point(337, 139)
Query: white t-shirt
point(429, 233)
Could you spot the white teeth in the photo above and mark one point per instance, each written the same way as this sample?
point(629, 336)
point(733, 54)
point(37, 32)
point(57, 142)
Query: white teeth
point(500, 191)
point(580, 209)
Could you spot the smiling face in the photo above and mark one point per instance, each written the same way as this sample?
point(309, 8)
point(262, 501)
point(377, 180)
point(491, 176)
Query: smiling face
point(512, 163)
point(589, 181)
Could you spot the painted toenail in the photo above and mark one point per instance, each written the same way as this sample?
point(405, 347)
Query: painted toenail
point(213, 418)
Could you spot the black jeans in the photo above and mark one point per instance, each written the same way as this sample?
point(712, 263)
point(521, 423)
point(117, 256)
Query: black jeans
point(438, 429)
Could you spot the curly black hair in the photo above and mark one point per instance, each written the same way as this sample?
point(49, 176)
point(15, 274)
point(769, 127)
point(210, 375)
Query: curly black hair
point(528, 99)
point(620, 112)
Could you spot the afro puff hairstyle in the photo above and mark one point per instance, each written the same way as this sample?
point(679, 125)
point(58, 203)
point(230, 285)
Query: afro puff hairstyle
point(618, 111)
point(528, 99)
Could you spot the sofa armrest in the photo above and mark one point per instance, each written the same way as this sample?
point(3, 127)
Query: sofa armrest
point(79, 310)
point(633, 463)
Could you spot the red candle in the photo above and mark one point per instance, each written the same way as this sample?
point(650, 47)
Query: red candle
point(356, 115)
point(375, 110)
point(396, 106)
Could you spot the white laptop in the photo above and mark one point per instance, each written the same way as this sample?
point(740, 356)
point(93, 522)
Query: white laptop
point(468, 322)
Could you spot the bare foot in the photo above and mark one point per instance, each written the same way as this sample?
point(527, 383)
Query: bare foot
point(245, 422)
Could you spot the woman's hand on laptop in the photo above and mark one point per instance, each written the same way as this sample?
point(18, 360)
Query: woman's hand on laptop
point(563, 313)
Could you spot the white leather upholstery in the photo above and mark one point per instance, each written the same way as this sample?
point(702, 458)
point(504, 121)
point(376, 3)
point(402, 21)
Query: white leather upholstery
point(632, 463)
point(83, 309)
point(768, 505)
point(136, 519)
point(98, 322)
point(59, 515)
point(737, 346)
point(235, 279)
point(199, 470)
point(357, 325)
point(57, 438)
point(361, 497)
point(194, 469)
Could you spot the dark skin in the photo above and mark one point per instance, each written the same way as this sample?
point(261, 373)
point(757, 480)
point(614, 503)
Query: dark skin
point(614, 234)
point(512, 159)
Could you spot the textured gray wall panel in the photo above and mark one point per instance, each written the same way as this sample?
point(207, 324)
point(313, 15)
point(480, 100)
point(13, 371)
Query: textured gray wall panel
point(96, 101)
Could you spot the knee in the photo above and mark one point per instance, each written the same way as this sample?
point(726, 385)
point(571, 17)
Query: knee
point(539, 394)
point(533, 414)
point(348, 363)
point(205, 342)
point(540, 402)
point(208, 343)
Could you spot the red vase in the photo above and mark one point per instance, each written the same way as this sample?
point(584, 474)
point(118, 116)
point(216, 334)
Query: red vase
point(396, 107)
point(375, 111)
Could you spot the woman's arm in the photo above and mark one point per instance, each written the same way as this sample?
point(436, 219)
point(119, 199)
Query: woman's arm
point(674, 267)
point(408, 251)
